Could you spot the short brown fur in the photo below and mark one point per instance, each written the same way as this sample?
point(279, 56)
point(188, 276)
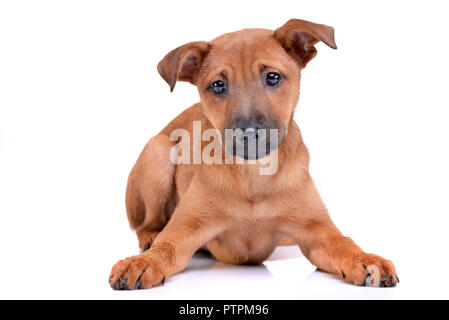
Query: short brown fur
point(231, 210)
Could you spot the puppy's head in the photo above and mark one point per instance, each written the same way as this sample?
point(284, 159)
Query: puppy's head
point(248, 80)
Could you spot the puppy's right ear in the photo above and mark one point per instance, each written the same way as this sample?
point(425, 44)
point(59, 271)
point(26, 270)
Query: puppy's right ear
point(183, 63)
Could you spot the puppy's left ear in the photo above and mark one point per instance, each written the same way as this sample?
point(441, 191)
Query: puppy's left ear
point(298, 38)
point(183, 63)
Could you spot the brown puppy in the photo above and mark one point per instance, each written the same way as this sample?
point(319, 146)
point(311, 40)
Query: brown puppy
point(248, 81)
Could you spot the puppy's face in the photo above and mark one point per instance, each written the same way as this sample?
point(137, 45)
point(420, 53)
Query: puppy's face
point(248, 80)
point(249, 83)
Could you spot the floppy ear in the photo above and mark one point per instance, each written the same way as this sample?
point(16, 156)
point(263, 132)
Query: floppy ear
point(183, 63)
point(298, 38)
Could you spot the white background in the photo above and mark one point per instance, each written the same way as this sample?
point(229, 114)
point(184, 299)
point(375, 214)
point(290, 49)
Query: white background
point(80, 96)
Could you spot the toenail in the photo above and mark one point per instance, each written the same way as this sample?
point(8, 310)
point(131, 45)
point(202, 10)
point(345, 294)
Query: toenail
point(393, 283)
point(116, 284)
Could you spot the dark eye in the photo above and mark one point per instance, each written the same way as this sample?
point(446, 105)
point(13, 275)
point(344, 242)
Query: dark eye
point(273, 79)
point(218, 87)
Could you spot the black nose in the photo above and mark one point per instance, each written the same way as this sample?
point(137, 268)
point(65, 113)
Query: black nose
point(250, 136)
point(249, 127)
point(251, 132)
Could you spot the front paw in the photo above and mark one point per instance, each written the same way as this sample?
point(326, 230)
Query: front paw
point(369, 270)
point(137, 272)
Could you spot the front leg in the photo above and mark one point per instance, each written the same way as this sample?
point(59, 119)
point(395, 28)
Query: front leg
point(192, 225)
point(323, 244)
